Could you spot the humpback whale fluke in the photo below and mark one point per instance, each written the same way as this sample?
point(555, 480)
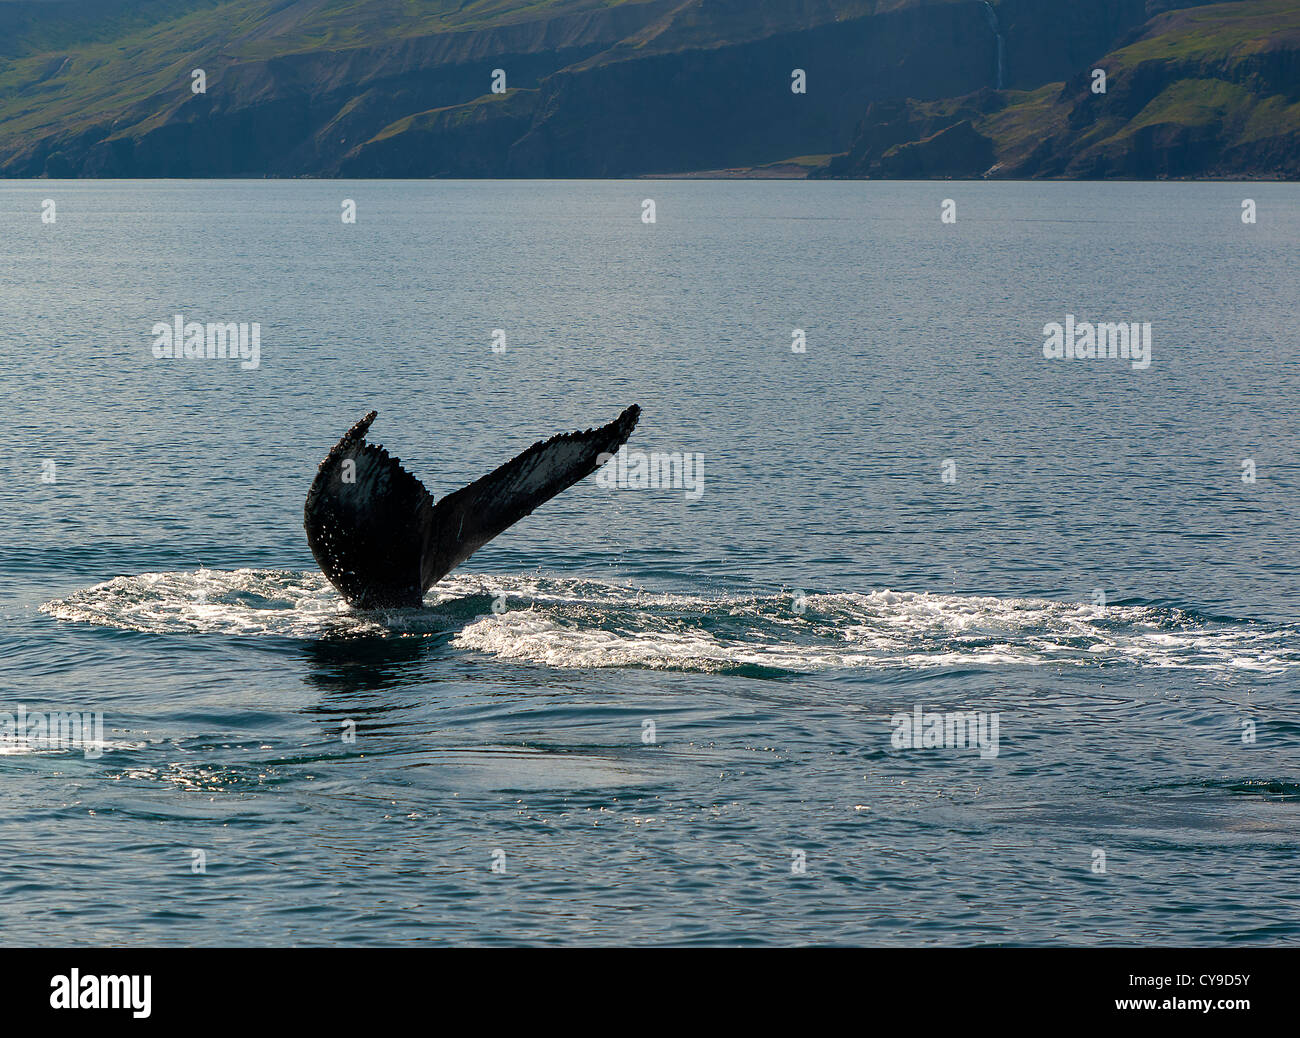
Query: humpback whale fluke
point(382, 541)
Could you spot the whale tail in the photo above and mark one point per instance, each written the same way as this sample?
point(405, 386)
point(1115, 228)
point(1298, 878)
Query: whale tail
point(382, 541)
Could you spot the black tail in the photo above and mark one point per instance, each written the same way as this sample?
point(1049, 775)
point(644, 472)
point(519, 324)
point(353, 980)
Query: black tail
point(382, 541)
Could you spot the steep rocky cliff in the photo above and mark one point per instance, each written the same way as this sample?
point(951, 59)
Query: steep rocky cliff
point(1205, 91)
point(904, 88)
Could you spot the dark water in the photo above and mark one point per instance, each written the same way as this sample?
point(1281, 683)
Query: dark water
point(826, 579)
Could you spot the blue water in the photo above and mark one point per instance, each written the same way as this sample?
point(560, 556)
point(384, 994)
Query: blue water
point(1095, 571)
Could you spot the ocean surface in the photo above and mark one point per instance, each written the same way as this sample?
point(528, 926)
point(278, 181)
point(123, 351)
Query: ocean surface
point(641, 715)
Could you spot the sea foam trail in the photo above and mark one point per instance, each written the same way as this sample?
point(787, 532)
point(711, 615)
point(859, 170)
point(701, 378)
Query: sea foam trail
point(578, 623)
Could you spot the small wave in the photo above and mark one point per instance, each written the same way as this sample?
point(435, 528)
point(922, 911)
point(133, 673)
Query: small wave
point(1273, 789)
point(875, 629)
point(586, 624)
point(286, 603)
point(39, 747)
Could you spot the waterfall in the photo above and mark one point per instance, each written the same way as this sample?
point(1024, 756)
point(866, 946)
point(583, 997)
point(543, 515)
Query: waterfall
point(993, 24)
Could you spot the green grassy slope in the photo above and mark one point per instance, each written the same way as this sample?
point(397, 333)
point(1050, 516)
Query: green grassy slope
point(74, 74)
point(1210, 91)
point(619, 87)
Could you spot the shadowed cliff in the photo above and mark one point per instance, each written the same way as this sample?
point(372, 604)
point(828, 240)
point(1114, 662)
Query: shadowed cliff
point(894, 88)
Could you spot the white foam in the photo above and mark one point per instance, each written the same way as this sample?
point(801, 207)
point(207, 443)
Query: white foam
point(236, 602)
point(11, 748)
point(576, 623)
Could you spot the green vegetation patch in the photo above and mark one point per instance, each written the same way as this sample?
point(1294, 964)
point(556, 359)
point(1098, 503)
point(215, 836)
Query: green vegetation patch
point(1215, 33)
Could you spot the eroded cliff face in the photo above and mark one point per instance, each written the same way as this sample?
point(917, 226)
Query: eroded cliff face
point(1048, 45)
point(1203, 91)
point(657, 110)
point(948, 88)
point(1208, 93)
point(299, 112)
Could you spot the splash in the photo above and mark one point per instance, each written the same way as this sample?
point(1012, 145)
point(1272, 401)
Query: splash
point(232, 602)
point(879, 629)
point(581, 624)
